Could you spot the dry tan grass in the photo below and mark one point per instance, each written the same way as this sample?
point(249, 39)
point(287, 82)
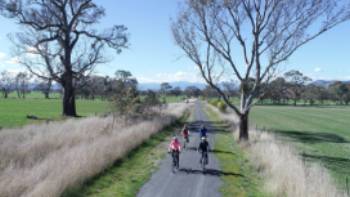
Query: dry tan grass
point(45, 160)
point(284, 171)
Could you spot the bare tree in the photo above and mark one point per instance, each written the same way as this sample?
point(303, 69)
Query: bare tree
point(6, 83)
point(59, 43)
point(246, 40)
point(22, 84)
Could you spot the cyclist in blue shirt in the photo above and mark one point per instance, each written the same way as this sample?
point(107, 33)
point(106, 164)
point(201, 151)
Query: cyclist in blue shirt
point(203, 131)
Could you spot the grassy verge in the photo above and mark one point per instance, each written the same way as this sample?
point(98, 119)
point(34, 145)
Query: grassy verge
point(243, 179)
point(321, 134)
point(126, 176)
point(172, 99)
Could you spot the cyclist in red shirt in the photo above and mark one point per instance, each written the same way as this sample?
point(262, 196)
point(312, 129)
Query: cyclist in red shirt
point(175, 149)
point(186, 133)
point(174, 145)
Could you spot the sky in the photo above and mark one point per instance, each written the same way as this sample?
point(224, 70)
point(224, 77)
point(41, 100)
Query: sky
point(152, 55)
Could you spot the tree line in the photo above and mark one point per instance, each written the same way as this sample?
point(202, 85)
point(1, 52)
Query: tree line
point(88, 87)
point(295, 87)
point(23, 83)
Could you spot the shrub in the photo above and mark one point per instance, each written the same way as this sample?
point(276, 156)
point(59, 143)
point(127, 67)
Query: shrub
point(221, 105)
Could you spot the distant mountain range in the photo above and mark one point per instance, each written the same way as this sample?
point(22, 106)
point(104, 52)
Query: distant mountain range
point(181, 84)
point(143, 86)
point(326, 83)
point(184, 84)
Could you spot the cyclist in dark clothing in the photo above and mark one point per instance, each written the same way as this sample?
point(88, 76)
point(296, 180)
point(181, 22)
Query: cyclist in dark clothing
point(203, 148)
point(203, 131)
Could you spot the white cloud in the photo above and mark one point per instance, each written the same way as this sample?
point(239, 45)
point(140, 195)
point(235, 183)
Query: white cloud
point(2, 56)
point(317, 69)
point(171, 77)
point(31, 50)
point(13, 60)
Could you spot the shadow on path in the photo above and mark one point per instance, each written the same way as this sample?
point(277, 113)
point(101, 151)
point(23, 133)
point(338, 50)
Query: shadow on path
point(210, 172)
point(212, 126)
point(218, 151)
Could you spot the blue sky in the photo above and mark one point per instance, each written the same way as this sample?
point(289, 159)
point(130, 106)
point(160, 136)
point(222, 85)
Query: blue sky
point(154, 57)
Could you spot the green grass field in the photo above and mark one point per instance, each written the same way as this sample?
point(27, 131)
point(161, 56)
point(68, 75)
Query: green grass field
point(35, 95)
point(13, 111)
point(322, 134)
point(173, 99)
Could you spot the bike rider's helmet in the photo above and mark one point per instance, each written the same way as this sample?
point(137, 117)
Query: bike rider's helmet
point(174, 138)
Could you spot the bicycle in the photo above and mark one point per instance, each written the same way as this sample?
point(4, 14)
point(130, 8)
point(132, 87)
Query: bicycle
point(204, 160)
point(186, 141)
point(175, 161)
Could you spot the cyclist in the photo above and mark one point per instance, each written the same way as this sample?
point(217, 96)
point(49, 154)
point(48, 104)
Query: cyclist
point(203, 148)
point(175, 149)
point(185, 133)
point(203, 131)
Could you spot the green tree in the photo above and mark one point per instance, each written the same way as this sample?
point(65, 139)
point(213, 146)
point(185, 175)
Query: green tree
point(125, 94)
point(296, 84)
point(341, 92)
point(164, 90)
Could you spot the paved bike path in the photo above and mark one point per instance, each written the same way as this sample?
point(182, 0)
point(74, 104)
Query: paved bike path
point(189, 181)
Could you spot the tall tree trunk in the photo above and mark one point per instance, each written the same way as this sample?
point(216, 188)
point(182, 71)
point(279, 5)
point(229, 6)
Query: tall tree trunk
point(295, 102)
point(243, 126)
point(47, 96)
point(47, 90)
point(68, 95)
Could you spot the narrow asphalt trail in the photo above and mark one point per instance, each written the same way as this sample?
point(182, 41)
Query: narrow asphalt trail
point(189, 181)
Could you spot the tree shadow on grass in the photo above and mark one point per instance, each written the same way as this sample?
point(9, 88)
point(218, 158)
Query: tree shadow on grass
point(210, 172)
point(338, 164)
point(311, 137)
point(218, 151)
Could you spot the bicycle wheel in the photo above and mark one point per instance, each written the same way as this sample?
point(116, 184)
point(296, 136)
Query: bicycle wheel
point(173, 163)
point(203, 162)
point(177, 160)
point(206, 158)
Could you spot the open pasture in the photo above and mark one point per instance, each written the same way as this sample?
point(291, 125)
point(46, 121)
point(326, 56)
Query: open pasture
point(322, 134)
